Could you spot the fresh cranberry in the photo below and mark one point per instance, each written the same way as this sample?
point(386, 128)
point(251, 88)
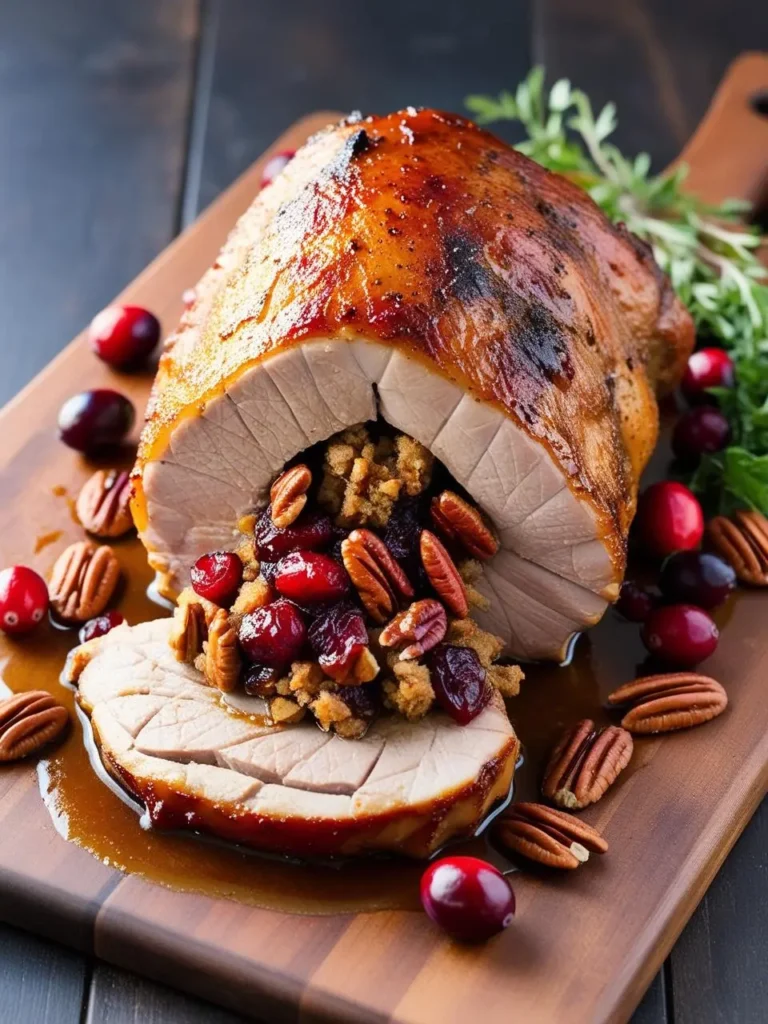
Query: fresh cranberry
point(275, 165)
point(306, 576)
point(124, 335)
point(100, 626)
point(338, 637)
point(697, 577)
point(23, 599)
point(467, 897)
point(669, 518)
point(635, 602)
point(311, 531)
point(681, 634)
point(95, 419)
point(260, 679)
point(217, 577)
point(273, 635)
point(459, 682)
point(707, 368)
point(698, 432)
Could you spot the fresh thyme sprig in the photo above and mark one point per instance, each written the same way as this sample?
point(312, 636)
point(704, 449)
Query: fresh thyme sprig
point(708, 252)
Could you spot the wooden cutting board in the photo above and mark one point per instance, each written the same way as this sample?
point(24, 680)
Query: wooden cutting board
point(583, 948)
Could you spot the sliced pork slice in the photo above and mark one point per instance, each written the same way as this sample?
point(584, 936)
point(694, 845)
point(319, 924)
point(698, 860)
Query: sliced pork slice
point(197, 759)
point(416, 268)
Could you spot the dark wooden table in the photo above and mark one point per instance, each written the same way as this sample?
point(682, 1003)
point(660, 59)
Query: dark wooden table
point(120, 121)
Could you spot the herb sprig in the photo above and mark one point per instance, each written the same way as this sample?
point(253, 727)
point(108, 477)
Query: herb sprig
point(708, 252)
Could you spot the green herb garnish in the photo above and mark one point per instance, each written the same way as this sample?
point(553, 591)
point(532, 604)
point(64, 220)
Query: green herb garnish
point(709, 255)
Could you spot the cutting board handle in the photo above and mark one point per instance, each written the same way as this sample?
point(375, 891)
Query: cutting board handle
point(728, 153)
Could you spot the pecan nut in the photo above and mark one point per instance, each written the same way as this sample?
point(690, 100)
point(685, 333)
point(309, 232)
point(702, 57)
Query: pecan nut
point(547, 836)
point(288, 495)
point(189, 630)
point(585, 762)
point(418, 629)
point(743, 542)
point(103, 505)
point(377, 577)
point(675, 700)
point(82, 582)
point(457, 520)
point(27, 722)
point(222, 653)
point(443, 574)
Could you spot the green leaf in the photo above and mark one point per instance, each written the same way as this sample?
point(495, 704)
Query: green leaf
point(745, 476)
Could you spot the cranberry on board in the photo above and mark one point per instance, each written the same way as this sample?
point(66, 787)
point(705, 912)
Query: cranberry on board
point(124, 335)
point(635, 601)
point(275, 165)
point(100, 626)
point(311, 531)
point(95, 419)
point(273, 635)
point(467, 897)
point(697, 577)
point(23, 599)
point(669, 518)
point(459, 682)
point(306, 576)
point(700, 431)
point(680, 634)
point(217, 577)
point(707, 368)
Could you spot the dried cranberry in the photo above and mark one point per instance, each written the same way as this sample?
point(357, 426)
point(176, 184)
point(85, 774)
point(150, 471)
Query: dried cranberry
point(635, 601)
point(363, 701)
point(402, 535)
point(273, 635)
point(707, 368)
point(338, 638)
point(459, 682)
point(100, 626)
point(700, 431)
point(310, 532)
point(123, 336)
point(697, 577)
point(307, 576)
point(95, 419)
point(467, 897)
point(260, 679)
point(681, 634)
point(23, 599)
point(217, 577)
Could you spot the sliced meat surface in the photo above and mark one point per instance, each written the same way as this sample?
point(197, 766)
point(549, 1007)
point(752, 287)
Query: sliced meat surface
point(202, 760)
point(416, 268)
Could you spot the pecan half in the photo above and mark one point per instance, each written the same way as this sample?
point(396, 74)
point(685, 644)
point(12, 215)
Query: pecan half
point(103, 505)
point(743, 542)
point(675, 700)
point(457, 520)
point(27, 722)
point(585, 762)
point(443, 574)
point(191, 618)
point(377, 577)
point(222, 653)
point(82, 582)
point(288, 495)
point(547, 836)
point(419, 628)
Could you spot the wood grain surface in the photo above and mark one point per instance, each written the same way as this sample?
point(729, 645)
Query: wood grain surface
point(203, 176)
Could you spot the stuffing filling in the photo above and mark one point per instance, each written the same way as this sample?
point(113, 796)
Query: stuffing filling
point(350, 595)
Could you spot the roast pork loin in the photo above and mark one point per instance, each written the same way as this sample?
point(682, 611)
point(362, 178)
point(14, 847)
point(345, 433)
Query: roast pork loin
point(196, 762)
point(416, 268)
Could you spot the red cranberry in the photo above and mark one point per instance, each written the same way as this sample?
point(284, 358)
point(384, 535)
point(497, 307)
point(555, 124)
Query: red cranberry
point(217, 577)
point(275, 165)
point(635, 602)
point(697, 577)
point(273, 635)
point(95, 419)
point(669, 518)
point(23, 599)
point(306, 576)
point(459, 682)
point(467, 897)
point(100, 626)
point(707, 368)
point(124, 335)
point(698, 432)
point(338, 637)
point(363, 701)
point(681, 634)
point(310, 532)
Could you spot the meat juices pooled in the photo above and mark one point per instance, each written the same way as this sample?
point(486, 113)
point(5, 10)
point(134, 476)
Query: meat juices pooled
point(414, 267)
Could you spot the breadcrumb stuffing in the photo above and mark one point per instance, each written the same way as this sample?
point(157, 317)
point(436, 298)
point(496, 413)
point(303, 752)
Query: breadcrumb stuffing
point(305, 682)
point(467, 633)
point(253, 595)
point(410, 692)
point(506, 679)
point(284, 711)
point(414, 464)
point(329, 709)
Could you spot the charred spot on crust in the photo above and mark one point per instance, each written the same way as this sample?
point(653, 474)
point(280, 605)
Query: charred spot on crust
point(543, 342)
point(468, 277)
point(359, 143)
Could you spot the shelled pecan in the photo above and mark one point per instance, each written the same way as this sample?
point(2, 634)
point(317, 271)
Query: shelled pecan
point(27, 722)
point(547, 836)
point(377, 577)
point(585, 762)
point(82, 582)
point(457, 520)
point(288, 495)
point(103, 505)
point(742, 541)
point(418, 629)
point(443, 574)
point(222, 653)
point(663, 703)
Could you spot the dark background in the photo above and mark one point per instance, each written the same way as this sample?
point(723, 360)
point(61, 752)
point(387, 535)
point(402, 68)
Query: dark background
point(121, 119)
